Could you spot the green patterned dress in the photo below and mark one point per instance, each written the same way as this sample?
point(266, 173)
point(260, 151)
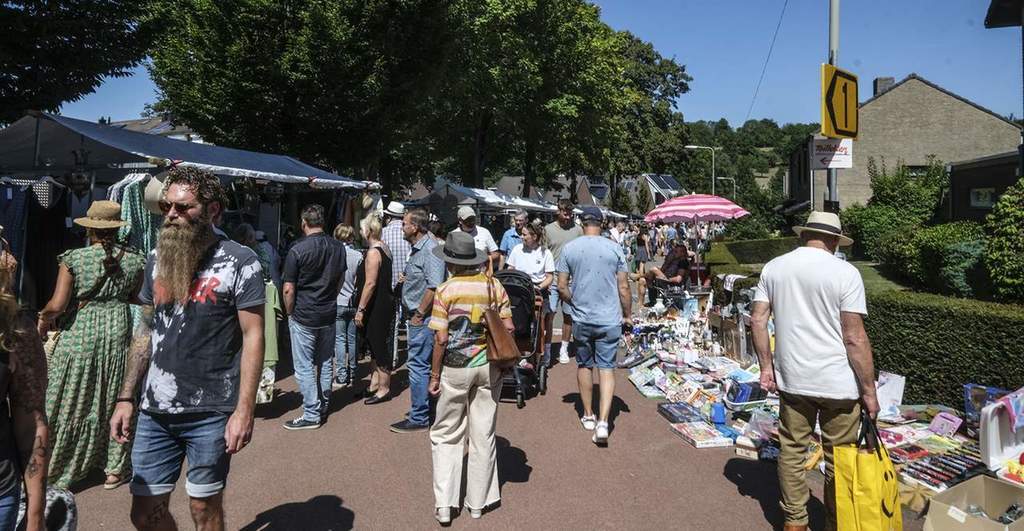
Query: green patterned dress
point(87, 366)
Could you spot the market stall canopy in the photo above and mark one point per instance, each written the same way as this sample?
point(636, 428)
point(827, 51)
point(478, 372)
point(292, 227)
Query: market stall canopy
point(696, 207)
point(493, 198)
point(41, 141)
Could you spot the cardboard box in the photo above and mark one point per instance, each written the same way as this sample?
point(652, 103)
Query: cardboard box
point(948, 510)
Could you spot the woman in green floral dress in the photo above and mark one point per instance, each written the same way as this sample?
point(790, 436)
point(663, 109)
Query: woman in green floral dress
point(95, 285)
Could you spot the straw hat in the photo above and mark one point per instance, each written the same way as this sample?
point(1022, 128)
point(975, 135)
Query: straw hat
point(460, 249)
point(102, 215)
point(395, 209)
point(824, 223)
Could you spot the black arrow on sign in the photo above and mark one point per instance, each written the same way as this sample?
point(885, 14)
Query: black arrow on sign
point(830, 106)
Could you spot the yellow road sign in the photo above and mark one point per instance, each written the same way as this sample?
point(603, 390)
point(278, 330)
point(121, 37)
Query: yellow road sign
point(838, 103)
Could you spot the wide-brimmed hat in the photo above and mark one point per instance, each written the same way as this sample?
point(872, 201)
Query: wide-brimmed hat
point(824, 223)
point(102, 215)
point(395, 209)
point(460, 249)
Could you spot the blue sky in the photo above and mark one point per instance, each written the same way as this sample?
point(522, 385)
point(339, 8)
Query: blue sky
point(723, 45)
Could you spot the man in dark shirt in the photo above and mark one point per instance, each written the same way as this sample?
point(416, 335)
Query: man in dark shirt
point(313, 273)
point(674, 270)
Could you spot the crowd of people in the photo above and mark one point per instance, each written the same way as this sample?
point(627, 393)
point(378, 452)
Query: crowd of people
point(184, 383)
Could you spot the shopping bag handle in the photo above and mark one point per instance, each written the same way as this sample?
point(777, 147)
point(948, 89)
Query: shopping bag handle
point(869, 436)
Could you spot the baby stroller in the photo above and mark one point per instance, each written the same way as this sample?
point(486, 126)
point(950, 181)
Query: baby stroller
point(531, 372)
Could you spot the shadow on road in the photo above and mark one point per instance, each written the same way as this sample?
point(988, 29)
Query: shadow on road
point(759, 480)
point(511, 463)
point(618, 406)
point(320, 513)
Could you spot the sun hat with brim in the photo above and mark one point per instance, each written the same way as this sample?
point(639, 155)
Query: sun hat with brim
point(460, 249)
point(395, 209)
point(102, 215)
point(824, 223)
point(154, 193)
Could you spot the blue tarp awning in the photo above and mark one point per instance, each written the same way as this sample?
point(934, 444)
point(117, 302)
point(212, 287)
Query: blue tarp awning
point(59, 137)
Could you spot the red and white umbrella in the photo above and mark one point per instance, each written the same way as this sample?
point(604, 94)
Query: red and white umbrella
point(696, 207)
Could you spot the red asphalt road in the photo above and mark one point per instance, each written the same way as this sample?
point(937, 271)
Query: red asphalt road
point(354, 473)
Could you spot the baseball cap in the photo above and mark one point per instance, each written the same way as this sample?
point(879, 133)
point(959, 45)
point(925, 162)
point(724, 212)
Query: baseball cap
point(466, 212)
point(591, 214)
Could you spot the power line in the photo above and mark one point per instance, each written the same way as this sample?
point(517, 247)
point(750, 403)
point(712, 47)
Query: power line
point(766, 59)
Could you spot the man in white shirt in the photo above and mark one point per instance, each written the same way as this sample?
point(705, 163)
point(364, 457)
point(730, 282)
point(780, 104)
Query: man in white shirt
point(481, 236)
point(822, 367)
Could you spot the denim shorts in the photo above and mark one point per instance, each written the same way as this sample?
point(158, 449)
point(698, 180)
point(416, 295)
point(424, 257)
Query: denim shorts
point(554, 299)
point(163, 441)
point(596, 343)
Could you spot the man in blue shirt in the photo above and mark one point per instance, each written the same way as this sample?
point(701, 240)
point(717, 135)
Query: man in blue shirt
point(512, 237)
point(424, 271)
point(597, 270)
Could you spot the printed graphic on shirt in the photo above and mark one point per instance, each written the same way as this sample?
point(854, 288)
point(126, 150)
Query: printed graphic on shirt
point(196, 346)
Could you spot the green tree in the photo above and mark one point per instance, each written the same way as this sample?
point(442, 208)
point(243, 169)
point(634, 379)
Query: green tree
point(1005, 251)
point(644, 201)
point(58, 51)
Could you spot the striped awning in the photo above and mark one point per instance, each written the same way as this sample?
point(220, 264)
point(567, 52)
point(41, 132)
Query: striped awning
point(696, 207)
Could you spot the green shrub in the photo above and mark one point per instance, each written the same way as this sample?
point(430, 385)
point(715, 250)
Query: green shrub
point(1005, 251)
point(719, 254)
point(963, 271)
point(750, 227)
point(867, 225)
point(940, 343)
point(761, 251)
point(930, 245)
point(916, 195)
point(917, 255)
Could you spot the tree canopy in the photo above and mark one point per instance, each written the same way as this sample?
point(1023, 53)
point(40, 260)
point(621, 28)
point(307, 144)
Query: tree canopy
point(58, 51)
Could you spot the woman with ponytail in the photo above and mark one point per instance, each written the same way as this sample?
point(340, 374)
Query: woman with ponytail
point(93, 325)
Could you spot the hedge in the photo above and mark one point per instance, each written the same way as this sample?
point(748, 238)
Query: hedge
point(940, 343)
point(750, 251)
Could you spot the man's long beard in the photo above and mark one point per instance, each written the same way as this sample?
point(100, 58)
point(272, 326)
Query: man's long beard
point(179, 250)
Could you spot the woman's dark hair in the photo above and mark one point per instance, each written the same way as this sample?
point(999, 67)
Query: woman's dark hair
point(437, 229)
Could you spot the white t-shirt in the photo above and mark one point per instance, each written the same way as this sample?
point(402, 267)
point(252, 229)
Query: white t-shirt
point(482, 238)
point(534, 263)
point(807, 289)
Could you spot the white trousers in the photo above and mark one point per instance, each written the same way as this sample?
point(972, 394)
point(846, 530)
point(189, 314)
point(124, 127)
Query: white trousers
point(467, 407)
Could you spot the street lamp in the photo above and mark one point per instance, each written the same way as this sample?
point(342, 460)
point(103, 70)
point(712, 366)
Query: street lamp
point(733, 185)
point(712, 150)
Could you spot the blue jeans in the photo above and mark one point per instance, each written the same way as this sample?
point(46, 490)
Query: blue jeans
point(163, 441)
point(345, 348)
point(312, 350)
point(9, 507)
point(420, 346)
point(596, 344)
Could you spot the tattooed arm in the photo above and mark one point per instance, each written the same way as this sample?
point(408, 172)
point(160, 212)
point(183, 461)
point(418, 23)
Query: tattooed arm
point(28, 414)
point(135, 368)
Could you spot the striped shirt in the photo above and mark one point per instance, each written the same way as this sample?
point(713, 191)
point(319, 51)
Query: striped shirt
point(400, 249)
point(459, 307)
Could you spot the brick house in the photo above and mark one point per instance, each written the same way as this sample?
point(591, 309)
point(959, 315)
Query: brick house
point(906, 122)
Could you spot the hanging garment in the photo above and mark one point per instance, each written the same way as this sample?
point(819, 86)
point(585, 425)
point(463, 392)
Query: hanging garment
point(50, 238)
point(143, 227)
point(12, 217)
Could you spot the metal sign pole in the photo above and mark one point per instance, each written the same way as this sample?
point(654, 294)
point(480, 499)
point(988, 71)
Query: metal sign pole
point(833, 57)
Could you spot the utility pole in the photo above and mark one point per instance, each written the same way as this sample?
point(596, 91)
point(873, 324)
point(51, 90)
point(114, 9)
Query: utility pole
point(832, 205)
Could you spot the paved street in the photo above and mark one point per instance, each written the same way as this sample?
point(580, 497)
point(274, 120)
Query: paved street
point(354, 473)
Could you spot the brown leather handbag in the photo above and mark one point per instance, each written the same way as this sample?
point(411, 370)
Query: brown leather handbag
point(501, 346)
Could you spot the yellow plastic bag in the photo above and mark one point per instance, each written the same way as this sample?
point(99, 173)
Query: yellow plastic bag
point(867, 488)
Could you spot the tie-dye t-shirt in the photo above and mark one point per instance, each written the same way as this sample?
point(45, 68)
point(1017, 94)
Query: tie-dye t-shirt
point(459, 307)
point(197, 345)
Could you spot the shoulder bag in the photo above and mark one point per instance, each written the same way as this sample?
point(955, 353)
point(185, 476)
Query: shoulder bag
point(501, 346)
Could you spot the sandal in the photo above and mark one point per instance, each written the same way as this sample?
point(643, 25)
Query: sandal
point(111, 484)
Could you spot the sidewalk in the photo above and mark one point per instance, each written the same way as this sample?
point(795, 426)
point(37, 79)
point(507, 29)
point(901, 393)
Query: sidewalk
point(354, 473)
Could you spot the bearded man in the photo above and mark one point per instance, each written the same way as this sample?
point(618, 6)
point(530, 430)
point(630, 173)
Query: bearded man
point(200, 347)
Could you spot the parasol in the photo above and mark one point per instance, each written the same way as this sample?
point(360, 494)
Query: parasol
point(696, 207)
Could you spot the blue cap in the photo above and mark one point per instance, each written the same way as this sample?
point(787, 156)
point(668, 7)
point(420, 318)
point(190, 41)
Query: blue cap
point(591, 214)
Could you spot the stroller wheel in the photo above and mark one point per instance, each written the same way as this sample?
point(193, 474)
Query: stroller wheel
point(542, 379)
point(520, 400)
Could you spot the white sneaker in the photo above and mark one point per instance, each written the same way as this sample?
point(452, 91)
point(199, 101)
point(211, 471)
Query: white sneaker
point(588, 422)
point(443, 515)
point(563, 358)
point(601, 433)
point(475, 514)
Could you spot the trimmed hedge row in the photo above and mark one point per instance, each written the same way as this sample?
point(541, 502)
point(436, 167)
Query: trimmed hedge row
point(750, 251)
point(940, 343)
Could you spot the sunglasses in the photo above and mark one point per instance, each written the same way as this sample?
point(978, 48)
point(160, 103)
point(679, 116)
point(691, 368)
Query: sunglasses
point(180, 208)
